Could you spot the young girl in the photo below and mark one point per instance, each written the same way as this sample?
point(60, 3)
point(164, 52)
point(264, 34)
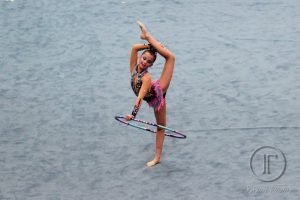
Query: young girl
point(153, 92)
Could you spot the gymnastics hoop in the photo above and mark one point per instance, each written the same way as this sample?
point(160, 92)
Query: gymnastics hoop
point(174, 133)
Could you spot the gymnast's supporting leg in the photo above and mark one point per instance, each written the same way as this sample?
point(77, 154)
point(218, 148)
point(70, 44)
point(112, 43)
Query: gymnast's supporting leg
point(160, 135)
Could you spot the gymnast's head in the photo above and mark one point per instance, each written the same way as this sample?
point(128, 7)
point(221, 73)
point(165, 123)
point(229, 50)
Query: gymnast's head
point(147, 58)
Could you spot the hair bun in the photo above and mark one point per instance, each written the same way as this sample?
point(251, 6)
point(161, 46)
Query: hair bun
point(151, 48)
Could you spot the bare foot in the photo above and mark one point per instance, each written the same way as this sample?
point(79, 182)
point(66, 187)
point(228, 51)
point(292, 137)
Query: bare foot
point(152, 162)
point(144, 34)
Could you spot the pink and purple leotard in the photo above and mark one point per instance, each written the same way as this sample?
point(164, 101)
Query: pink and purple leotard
point(155, 97)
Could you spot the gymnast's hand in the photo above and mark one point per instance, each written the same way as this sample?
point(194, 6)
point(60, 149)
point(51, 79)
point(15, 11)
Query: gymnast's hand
point(129, 117)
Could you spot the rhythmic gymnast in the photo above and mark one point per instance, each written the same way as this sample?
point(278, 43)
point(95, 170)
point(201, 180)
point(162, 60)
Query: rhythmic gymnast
point(153, 92)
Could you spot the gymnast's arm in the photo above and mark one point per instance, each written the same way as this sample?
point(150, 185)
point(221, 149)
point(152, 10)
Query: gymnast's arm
point(146, 85)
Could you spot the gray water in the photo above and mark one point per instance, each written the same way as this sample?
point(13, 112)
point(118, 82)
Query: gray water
point(64, 75)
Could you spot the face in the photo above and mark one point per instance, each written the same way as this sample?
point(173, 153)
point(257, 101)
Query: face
point(146, 60)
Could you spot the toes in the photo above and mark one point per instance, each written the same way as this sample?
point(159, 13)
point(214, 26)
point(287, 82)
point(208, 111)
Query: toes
point(140, 23)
